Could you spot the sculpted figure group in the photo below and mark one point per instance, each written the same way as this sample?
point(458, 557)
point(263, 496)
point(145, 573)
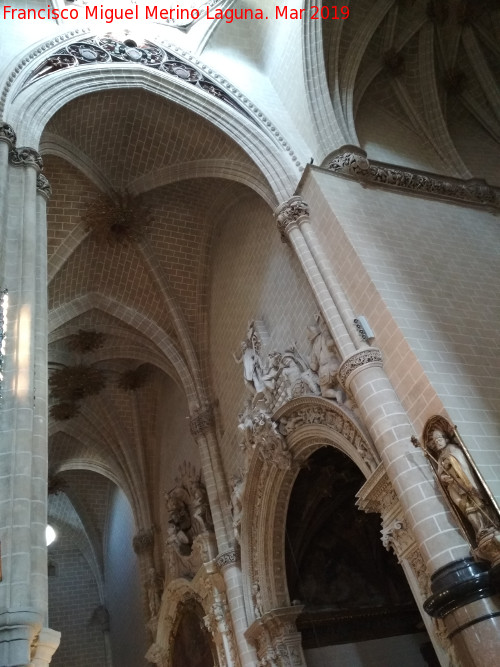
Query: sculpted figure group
point(286, 375)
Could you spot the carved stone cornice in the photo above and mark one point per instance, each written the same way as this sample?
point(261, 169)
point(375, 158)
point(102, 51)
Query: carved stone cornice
point(43, 186)
point(276, 638)
point(362, 359)
point(143, 541)
point(202, 421)
point(291, 214)
point(7, 134)
point(377, 493)
point(352, 161)
point(26, 157)
point(226, 558)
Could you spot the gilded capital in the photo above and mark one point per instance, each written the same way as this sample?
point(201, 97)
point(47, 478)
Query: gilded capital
point(290, 214)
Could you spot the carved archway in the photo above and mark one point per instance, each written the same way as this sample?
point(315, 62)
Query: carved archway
point(306, 424)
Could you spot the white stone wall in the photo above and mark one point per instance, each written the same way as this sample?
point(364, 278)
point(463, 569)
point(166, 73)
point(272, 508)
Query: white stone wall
point(425, 274)
point(254, 277)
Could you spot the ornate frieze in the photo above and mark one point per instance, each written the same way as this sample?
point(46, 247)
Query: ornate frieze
point(26, 157)
point(7, 134)
point(275, 636)
point(352, 161)
point(321, 413)
point(106, 50)
point(290, 214)
point(363, 358)
point(43, 186)
point(230, 557)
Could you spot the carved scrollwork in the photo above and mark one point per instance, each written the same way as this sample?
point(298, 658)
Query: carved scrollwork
point(43, 186)
point(319, 412)
point(370, 357)
point(352, 161)
point(289, 215)
point(26, 157)
point(226, 558)
point(7, 134)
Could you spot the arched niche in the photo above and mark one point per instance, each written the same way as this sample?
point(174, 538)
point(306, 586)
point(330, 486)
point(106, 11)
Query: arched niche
point(305, 424)
point(350, 588)
point(191, 641)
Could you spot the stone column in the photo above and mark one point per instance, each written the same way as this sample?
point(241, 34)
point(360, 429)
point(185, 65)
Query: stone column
point(290, 216)
point(229, 565)
point(23, 413)
point(362, 375)
point(203, 430)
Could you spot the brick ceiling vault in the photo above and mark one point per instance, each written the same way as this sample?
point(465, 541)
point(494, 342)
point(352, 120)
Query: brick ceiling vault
point(148, 297)
point(418, 60)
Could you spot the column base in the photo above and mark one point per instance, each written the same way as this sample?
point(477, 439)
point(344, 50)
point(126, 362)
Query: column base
point(23, 640)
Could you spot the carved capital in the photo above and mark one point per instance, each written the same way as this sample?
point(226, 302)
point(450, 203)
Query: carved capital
point(43, 186)
point(7, 134)
point(291, 214)
point(202, 421)
point(230, 557)
point(349, 160)
point(143, 541)
point(26, 157)
point(362, 359)
point(276, 638)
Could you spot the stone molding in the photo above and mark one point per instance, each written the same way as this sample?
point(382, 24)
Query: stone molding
point(291, 214)
point(276, 638)
point(43, 186)
point(352, 162)
point(226, 558)
point(371, 357)
point(26, 157)
point(7, 134)
point(317, 411)
point(378, 495)
point(31, 55)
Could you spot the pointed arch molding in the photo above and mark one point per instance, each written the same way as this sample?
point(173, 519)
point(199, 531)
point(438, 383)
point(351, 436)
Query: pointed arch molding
point(307, 423)
point(29, 108)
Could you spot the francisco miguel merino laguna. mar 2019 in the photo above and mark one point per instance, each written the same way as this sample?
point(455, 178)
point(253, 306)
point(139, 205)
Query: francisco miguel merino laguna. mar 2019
point(155, 13)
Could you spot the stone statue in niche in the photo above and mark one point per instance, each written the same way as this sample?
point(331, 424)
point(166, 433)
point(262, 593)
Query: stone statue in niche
point(252, 363)
point(467, 493)
point(325, 360)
